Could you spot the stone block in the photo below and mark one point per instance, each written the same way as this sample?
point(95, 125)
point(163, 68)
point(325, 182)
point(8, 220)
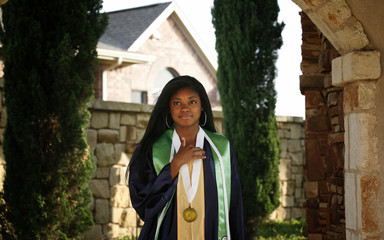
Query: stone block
point(131, 133)
point(335, 13)
point(299, 179)
point(128, 119)
point(102, 172)
point(352, 36)
point(370, 188)
point(298, 213)
point(114, 121)
point(283, 148)
point(283, 133)
point(358, 65)
point(108, 136)
point(92, 138)
point(332, 99)
point(359, 96)
point(315, 169)
point(124, 159)
point(105, 154)
point(294, 145)
point(313, 99)
point(99, 120)
point(102, 211)
point(117, 176)
point(119, 150)
point(128, 218)
point(142, 120)
point(311, 189)
point(297, 169)
point(298, 193)
point(337, 71)
point(288, 201)
point(116, 214)
point(123, 133)
point(297, 131)
point(120, 196)
point(287, 188)
point(284, 169)
point(95, 233)
point(363, 145)
point(99, 188)
point(350, 201)
point(297, 158)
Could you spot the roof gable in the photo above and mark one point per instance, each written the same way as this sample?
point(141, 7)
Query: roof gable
point(129, 29)
point(126, 26)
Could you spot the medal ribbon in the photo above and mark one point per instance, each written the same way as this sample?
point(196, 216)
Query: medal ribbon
point(189, 186)
point(161, 153)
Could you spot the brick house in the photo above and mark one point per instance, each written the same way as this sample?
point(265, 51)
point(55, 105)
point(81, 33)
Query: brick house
point(143, 48)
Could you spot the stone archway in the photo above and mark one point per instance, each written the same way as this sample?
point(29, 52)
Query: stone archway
point(354, 83)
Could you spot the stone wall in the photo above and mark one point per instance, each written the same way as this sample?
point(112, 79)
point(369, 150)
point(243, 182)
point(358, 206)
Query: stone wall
point(115, 129)
point(324, 140)
point(291, 168)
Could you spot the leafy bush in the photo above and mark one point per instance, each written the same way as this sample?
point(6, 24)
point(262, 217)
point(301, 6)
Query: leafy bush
point(281, 230)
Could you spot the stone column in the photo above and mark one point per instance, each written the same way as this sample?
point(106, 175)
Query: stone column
point(357, 72)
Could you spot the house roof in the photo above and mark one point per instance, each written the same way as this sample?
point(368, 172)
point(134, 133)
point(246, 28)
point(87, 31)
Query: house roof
point(126, 26)
point(128, 29)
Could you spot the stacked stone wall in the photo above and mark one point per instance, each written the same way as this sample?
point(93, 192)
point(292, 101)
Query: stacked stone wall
point(291, 168)
point(324, 140)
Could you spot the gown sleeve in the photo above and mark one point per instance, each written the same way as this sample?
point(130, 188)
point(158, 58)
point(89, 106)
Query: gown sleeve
point(236, 218)
point(149, 196)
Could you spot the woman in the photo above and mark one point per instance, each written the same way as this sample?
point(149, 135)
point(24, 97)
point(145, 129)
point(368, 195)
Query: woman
point(183, 178)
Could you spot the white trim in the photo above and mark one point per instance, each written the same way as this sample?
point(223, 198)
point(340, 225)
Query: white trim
point(126, 57)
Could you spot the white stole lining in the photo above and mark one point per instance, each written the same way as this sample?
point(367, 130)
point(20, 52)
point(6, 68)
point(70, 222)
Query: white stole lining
point(176, 142)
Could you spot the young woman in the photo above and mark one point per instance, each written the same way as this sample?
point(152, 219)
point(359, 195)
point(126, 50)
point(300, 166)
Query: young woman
point(183, 177)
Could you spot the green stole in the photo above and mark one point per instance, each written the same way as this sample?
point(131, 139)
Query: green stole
point(161, 152)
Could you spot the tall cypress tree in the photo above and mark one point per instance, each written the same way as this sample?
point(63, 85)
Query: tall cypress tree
point(49, 52)
point(247, 39)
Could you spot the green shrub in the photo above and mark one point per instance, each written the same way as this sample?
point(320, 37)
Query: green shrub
point(281, 230)
point(50, 54)
point(247, 39)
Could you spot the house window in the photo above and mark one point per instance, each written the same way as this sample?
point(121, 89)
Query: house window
point(162, 78)
point(139, 97)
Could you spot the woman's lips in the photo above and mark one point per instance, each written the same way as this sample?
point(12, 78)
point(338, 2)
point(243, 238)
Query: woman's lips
point(185, 116)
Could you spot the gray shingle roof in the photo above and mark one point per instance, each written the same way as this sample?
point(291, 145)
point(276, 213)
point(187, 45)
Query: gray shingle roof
point(125, 26)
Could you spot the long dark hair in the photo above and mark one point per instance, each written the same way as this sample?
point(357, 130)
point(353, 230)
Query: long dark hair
point(161, 111)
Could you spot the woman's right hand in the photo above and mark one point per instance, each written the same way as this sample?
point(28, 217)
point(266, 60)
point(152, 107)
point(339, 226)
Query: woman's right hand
point(185, 155)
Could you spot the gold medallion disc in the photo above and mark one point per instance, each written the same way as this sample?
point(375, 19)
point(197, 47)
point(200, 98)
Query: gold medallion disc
point(190, 214)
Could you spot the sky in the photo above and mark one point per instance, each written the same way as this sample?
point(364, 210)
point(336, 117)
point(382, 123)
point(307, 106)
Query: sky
point(290, 102)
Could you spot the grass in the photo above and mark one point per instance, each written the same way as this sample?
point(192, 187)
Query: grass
point(274, 230)
point(281, 230)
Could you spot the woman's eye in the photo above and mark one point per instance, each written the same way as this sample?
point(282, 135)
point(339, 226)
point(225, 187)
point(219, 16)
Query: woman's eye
point(176, 103)
point(193, 102)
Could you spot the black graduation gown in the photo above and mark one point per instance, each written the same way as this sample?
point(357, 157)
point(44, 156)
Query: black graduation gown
point(149, 198)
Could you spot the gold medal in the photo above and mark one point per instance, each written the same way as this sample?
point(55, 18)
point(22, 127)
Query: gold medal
point(190, 214)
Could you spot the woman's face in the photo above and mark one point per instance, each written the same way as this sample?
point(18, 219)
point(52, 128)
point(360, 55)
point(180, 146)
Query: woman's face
point(185, 108)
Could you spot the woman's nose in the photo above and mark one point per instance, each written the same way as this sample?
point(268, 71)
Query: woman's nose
point(184, 107)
